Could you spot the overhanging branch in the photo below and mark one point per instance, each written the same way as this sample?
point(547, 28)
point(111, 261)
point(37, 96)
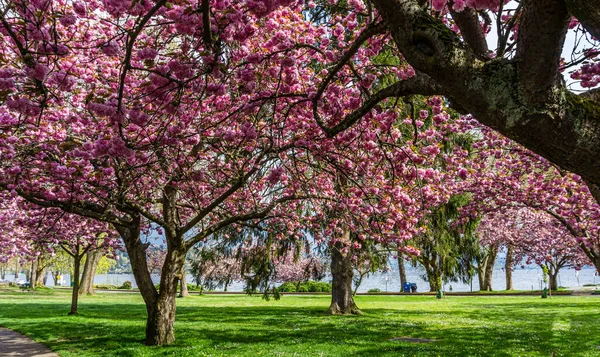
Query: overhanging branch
point(419, 84)
point(588, 14)
point(542, 32)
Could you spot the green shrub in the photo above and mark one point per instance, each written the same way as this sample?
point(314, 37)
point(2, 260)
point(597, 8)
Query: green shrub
point(309, 286)
point(374, 291)
point(325, 287)
point(313, 287)
point(287, 288)
point(193, 287)
point(106, 286)
point(126, 285)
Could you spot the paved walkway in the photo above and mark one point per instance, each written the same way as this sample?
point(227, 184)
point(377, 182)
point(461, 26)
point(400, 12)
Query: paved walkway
point(14, 344)
point(584, 290)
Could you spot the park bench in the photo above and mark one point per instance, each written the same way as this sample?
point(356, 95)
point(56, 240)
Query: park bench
point(25, 287)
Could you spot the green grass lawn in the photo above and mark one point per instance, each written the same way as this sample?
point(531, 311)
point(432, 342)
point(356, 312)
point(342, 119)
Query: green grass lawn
point(217, 325)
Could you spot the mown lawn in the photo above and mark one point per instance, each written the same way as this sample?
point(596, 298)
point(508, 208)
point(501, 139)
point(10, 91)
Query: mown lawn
point(217, 325)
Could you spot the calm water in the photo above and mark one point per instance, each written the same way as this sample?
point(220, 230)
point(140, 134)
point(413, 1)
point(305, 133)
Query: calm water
point(529, 278)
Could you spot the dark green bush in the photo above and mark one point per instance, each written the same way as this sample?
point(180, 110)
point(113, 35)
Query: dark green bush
point(105, 286)
point(193, 287)
point(305, 287)
point(376, 290)
point(323, 287)
point(126, 285)
point(287, 288)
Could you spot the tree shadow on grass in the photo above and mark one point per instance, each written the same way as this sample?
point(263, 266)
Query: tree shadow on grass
point(504, 329)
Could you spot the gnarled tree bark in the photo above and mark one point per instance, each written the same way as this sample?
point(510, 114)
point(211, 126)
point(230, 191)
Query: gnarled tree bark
point(588, 13)
point(159, 307)
point(342, 302)
point(521, 97)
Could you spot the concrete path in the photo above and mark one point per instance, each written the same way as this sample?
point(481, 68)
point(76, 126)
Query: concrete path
point(14, 344)
point(585, 290)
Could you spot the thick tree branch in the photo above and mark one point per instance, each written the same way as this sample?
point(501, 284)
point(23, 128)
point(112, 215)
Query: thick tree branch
point(85, 209)
point(542, 32)
point(207, 31)
point(588, 14)
point(144, 212)
point(592, 94)
point(564, 223)
point(564, 128)
point(426, 43)
point(471, 31)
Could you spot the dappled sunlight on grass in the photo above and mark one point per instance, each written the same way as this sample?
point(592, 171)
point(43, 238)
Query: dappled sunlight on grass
point(113, 325)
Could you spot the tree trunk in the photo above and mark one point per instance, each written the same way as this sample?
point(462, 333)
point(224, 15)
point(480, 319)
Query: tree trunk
point(160, 319)
point(553, 280)
point(89, 271)
point(481, 274)
point(341, 270)
point(32, 274)
point(75, 280)
point(55, 275)
point(508, 266)
point(161, 316)
point(487, 278)
point(40, 274)
point(486, 284)
point(160, 306)
point(401, 271)
point(183, 289)
point(2, 272)
point(435, 279)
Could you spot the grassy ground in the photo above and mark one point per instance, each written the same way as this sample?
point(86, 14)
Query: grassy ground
point(113, 325)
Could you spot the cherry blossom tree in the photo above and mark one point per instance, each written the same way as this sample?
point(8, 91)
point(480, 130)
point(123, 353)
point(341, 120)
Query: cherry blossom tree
point(33, 232)
point(298, 269)
point(196, 116)
point(536, 237)
point(508, 176)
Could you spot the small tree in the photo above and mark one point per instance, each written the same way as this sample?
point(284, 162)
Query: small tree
point(449, 246)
